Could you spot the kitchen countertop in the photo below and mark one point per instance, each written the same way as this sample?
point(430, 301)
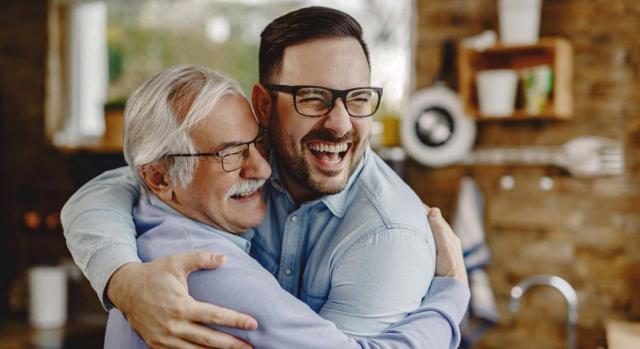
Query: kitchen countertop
point(623, 334)
point(84, 332)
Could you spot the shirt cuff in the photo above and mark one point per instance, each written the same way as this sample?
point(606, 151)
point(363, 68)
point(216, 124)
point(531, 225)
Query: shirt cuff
point(104, 263)
point(453, 296)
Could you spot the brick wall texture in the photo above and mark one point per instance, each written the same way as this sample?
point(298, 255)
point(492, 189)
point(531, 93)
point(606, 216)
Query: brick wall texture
point(33, 175)
point(586, 231)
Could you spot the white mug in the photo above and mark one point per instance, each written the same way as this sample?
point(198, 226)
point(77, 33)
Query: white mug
point(48, 298)
point(497, 91)
point(519, 21)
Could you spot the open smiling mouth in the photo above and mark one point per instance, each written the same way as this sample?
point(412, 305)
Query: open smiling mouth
point(246, 196)
point(329, 153)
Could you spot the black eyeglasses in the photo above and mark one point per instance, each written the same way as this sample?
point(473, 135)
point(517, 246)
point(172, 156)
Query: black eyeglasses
point(232, 157)
point(315, 101)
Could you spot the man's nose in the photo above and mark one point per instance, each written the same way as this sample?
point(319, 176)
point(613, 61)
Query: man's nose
point(256, 166)
point(338, 120)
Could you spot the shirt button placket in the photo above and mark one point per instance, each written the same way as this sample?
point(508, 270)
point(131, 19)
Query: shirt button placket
point(287, 264)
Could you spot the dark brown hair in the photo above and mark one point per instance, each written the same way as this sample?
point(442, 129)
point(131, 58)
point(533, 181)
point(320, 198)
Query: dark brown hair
point(302, 25)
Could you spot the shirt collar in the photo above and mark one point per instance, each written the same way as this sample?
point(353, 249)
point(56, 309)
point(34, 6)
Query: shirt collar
point(336, 203)
point(276, 179)
point(238, 240)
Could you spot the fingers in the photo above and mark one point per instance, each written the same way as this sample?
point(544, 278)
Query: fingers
point(449, 257)
point(438, 222)
point(435, 214)
point(176, 343)
point(192, 261)
point(213, 314)
point(443, 234)
point(203, 337)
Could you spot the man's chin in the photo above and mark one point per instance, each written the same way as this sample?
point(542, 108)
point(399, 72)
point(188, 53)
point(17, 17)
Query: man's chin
point(247, 221)
point(327, 180)
point(325, 183)
point(249, 206)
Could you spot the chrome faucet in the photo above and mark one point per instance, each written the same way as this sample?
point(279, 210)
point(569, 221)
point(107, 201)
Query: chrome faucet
point(561, 285)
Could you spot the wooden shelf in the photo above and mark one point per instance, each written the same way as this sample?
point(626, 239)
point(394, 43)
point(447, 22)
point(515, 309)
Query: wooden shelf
point(555, 52)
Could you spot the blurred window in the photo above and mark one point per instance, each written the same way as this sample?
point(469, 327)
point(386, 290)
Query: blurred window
point(146, 36)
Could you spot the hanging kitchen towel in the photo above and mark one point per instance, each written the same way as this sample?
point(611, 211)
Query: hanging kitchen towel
point(468, 224)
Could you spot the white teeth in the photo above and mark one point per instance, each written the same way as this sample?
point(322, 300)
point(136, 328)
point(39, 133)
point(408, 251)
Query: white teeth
point(329, 148)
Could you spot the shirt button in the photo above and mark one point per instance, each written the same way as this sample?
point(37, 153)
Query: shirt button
point(294, 219)
point(288, 270)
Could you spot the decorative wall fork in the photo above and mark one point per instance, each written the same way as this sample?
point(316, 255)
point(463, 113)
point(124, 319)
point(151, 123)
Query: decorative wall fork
point(582, 157)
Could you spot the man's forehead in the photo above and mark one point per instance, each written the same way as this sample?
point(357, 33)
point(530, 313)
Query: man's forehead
point(233, 138)
point(231, 122)
point(332, 62)
point(234, 142)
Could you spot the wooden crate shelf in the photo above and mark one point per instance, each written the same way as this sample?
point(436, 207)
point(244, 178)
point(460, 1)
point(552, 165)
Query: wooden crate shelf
point(556, 52)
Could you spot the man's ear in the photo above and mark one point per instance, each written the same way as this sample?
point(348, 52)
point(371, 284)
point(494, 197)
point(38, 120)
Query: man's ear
point(157, 178)
point(261, 101)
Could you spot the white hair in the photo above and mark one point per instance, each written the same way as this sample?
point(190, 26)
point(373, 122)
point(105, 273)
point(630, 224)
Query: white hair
point(160, 113)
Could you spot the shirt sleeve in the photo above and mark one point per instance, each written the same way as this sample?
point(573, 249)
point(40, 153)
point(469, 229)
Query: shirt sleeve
point(436, 324)
point(379, 280)
point(99, 228)
point(286, 322)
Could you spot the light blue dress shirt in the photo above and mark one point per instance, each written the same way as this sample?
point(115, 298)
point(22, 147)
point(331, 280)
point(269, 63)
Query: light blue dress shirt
point(285, 322)
point(363, 257)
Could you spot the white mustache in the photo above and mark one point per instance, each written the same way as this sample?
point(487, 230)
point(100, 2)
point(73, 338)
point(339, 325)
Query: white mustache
point(244, 187)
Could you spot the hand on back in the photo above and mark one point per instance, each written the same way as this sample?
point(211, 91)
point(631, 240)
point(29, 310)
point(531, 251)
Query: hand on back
point(449, 258)
point(165, 315)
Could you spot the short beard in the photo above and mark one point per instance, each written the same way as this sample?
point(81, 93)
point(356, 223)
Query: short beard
point(296, 167)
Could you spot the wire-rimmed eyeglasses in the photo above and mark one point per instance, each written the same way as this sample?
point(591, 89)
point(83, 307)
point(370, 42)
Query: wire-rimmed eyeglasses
point(232, 157)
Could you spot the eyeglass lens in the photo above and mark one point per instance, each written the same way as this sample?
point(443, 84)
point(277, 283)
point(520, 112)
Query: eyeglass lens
point(236, 157)
point(314, 101)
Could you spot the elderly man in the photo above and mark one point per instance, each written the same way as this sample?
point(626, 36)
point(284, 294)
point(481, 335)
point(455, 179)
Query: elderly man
point(342, 232)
